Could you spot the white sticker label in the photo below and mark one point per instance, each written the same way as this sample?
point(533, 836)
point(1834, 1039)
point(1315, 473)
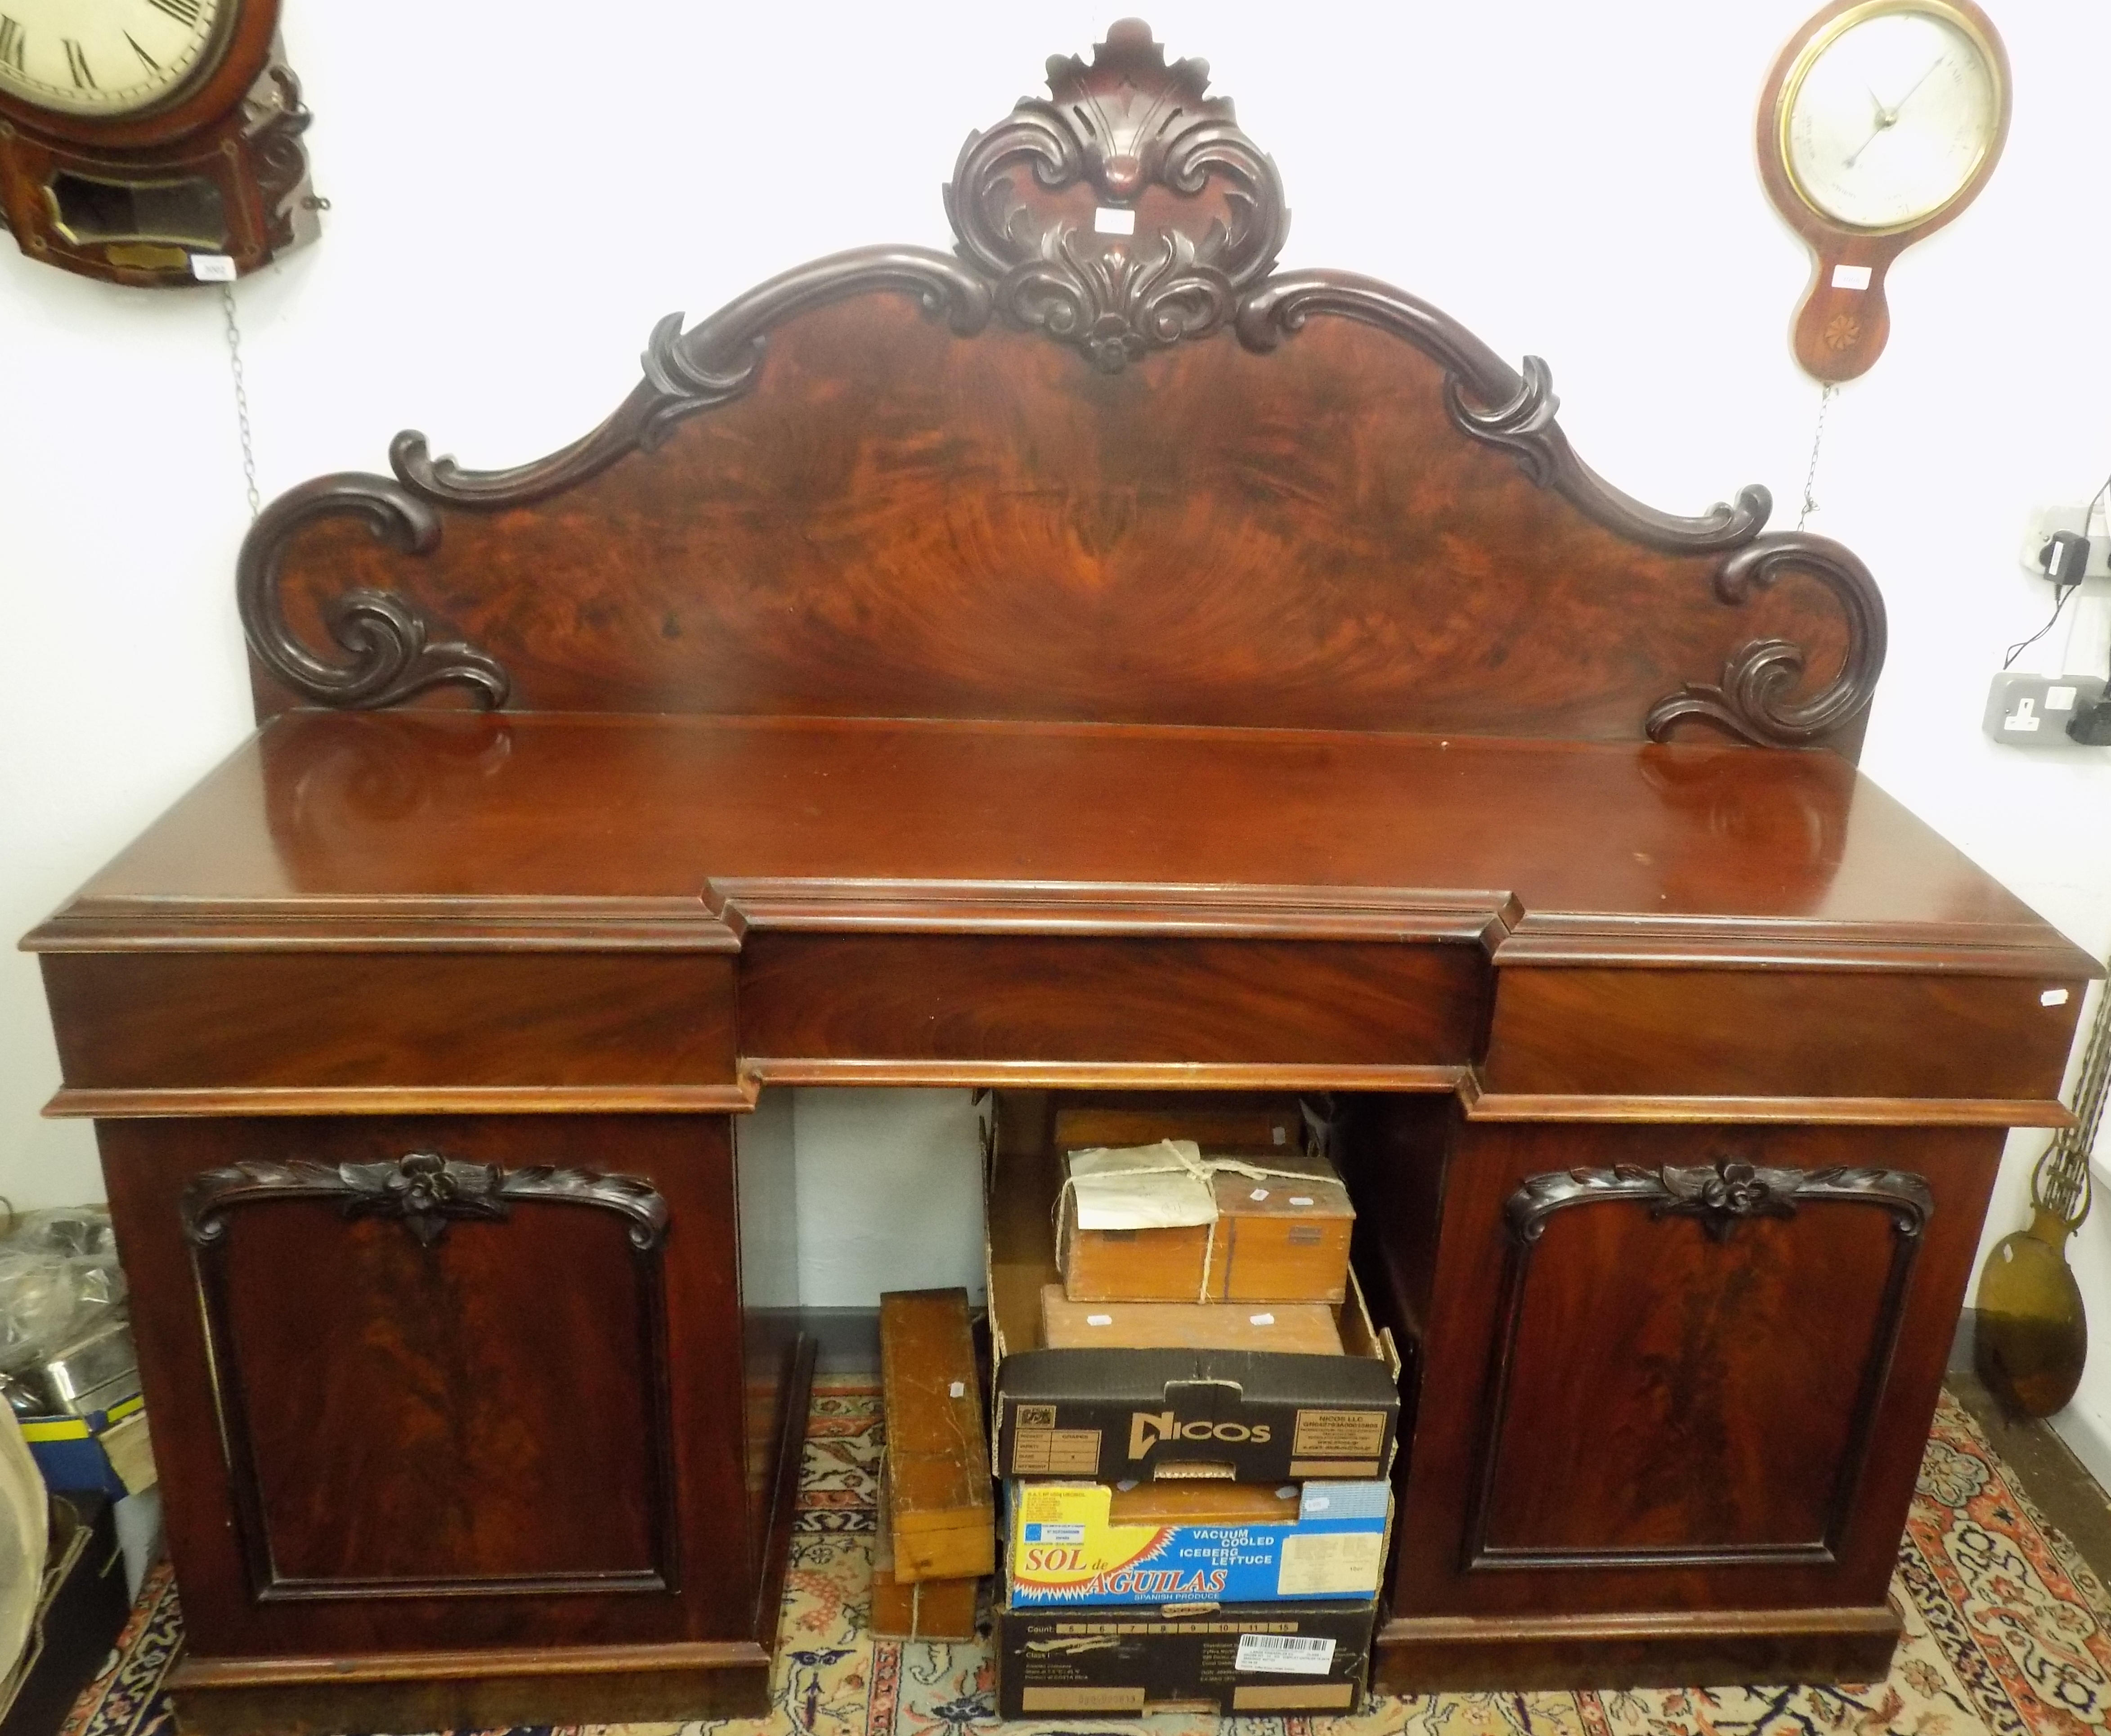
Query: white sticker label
point(1258, 1193)
point(1850, 277)
point(1284, 1654)
point(1332, 1564)
point(1099, 1320)
point(212, 268)
point(959, 1389)
point(1111, 219)
point(1261, 1320)
point(2053, 997)
point(1281, 1136)
point(1300, 1199)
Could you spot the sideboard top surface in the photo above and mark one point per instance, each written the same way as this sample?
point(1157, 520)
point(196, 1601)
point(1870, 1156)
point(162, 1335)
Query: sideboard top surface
point(323, 818)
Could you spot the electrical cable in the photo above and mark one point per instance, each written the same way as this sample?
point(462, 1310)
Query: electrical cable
point(2061, 592)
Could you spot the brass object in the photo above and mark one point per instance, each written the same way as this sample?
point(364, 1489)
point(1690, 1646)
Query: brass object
point(2032, 1337)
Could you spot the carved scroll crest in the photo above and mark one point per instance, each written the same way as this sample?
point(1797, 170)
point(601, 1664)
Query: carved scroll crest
point(424, 1190)
point(1125, 123)
point(390, 653)
point(1722, 1195)
point(1122, 213)
point(1756, 700)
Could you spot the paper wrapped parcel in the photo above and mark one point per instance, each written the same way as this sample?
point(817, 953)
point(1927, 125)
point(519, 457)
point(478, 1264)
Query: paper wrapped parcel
point(1164, 1186)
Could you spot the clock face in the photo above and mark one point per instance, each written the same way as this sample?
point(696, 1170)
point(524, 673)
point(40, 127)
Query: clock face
point(1887, 120)
point(104, 56)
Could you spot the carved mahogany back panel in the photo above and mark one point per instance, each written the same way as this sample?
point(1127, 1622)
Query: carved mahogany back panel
point(1087, 467)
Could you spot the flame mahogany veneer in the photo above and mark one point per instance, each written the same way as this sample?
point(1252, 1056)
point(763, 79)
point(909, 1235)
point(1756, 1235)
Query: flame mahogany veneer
point(1081, 659)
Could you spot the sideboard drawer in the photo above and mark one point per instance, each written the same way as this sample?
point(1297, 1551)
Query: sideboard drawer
point(1793, 1034)
point(1141, 1000)
point(317, 1020)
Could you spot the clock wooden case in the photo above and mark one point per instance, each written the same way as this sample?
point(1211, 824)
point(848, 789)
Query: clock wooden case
point(210, 165)
point(1844, 319)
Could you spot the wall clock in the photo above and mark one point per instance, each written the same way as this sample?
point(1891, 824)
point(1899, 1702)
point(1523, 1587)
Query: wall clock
point(1881, 121)
point(150, 141)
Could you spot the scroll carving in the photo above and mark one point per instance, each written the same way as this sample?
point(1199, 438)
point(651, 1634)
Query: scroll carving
point(1487, 402)
point(1124, 124)
point(424, 1190)
point(1490, 401)
point(281, 163)
point(1720, 1195)
point(713, 364)
point(1140, 138)
point(1755, 699)
point(391, 653)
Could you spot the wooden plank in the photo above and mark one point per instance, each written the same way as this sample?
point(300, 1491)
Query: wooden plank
point(940, 1507)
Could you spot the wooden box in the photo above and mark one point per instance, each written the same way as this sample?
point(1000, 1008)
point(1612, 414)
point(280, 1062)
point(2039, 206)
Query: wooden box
point(1281, 1235)
point(1282, 1239)
point(1297, 1328)
point(941, 1508)
point(922, 1609)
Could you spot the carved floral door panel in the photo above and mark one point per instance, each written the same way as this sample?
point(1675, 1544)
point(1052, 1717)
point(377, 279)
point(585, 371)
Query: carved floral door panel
point(365, 1319)
point(1683, 1363)
point(443, 1361)
point(1709, 1341)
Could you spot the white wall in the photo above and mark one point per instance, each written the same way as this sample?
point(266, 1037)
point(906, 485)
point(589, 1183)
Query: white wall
point(515, 207)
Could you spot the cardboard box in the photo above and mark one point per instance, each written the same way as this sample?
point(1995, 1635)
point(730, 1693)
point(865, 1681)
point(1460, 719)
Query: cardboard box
point(72, 1453)
point(1076, 1543)
point(80, 1612)
point(1260, 1660)
point(1253, 1416)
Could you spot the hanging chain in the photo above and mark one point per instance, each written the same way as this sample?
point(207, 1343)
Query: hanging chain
point(1816, 440)
point(241, 399)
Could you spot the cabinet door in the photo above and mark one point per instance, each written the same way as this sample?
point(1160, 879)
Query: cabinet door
point(1687, 1360)
point(1674, 1368)
point(418, 1383)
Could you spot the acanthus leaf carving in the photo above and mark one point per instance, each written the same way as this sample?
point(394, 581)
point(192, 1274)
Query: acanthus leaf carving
point(392, 654)
point(425, 1190)
point(1124, 124)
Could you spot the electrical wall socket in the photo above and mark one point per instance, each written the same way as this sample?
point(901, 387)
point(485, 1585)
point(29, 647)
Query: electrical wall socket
point(2033, 711)
point(2039, 527)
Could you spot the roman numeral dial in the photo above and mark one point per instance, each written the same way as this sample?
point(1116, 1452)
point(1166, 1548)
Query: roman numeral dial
point(107, 57)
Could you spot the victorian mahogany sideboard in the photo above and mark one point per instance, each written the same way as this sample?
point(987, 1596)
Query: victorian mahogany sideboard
point(1092, 656)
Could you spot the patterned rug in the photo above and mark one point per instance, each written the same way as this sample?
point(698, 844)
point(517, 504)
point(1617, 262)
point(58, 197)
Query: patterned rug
point(2006, 1631)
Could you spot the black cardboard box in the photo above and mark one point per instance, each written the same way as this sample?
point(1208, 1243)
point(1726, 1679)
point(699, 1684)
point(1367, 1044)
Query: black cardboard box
point(1250, 1658)
point(80, 1614)
point(1260, 1417)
